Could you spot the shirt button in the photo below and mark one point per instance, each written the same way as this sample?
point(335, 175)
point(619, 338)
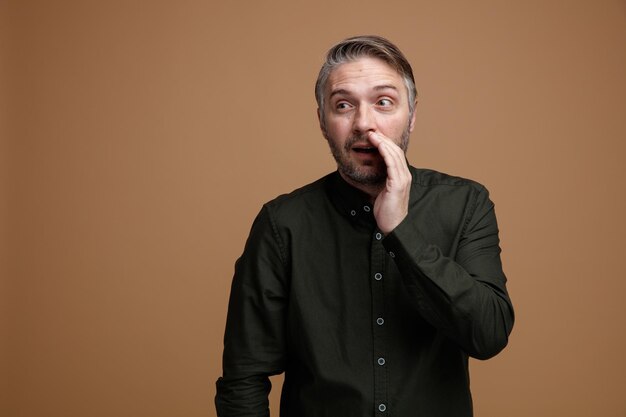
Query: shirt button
point(379, 236)
point(378, 276)
point(353, 212)
point(381, 361)
point(380, 321)
point(382, 408)
point(393, 255)
point(366, 209)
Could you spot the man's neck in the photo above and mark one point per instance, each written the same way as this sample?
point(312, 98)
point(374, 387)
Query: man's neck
point(372, 190)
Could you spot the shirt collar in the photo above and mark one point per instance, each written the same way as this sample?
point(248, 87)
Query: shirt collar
point(349, 201)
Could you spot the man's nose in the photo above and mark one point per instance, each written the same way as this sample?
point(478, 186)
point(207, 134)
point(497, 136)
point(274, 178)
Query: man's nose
point(364, 120)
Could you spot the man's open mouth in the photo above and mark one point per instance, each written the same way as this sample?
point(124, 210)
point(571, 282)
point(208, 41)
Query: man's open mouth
point(365, 149)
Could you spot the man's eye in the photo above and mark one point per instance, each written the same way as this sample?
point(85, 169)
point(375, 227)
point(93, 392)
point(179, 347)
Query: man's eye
point(342, 105)
point(385, 102)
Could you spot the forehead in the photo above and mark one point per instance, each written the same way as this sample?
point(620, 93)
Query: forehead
point(364, 74)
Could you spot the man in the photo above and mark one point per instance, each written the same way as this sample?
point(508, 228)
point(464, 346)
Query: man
point(372, 286)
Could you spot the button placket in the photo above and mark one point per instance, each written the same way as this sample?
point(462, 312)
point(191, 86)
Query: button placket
point(377, 264)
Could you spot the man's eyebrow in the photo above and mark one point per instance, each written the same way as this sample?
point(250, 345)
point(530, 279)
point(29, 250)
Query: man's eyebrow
point(338, 91)
point(376, 88)
point(386, 87)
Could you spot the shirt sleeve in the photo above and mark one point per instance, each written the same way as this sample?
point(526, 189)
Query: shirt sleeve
point(254, 341)
point(464, 297)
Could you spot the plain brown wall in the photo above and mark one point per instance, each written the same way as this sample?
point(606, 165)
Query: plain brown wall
point(4, 217)
point(141, 137)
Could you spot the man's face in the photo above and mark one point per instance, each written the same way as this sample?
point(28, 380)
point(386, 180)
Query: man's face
point(361, 96)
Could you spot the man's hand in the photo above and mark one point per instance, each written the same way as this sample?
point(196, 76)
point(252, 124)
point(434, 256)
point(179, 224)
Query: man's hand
point(392, 204)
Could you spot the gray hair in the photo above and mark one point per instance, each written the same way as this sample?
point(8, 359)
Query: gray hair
point(365, 46)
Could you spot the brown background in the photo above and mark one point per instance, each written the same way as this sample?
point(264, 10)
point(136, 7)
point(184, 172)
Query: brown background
point(139, 139)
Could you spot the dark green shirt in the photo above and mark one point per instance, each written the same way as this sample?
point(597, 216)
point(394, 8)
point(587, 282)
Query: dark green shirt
point(364, 324)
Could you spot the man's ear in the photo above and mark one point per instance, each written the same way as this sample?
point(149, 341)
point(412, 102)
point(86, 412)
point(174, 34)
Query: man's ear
point(412, 121)
point(320, 119)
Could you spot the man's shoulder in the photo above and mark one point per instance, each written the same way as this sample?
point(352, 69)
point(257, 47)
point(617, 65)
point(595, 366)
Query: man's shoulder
point(423, 177)
point(298, 199)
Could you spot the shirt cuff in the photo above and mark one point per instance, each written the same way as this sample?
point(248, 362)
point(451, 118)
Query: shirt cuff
point(406, 243)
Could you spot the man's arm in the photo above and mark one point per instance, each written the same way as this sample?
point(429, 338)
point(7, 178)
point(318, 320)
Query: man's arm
point(254, 342)
point(465, 298)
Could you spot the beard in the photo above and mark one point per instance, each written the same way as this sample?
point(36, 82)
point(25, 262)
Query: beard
point(367, 172)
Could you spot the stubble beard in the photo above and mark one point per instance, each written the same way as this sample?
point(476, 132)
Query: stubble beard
point(359, 173)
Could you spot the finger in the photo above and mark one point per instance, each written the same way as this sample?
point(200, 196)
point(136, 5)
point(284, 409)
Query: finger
point(390, 156)
point(393, 156)
point(387, 146)
point(378, 138)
